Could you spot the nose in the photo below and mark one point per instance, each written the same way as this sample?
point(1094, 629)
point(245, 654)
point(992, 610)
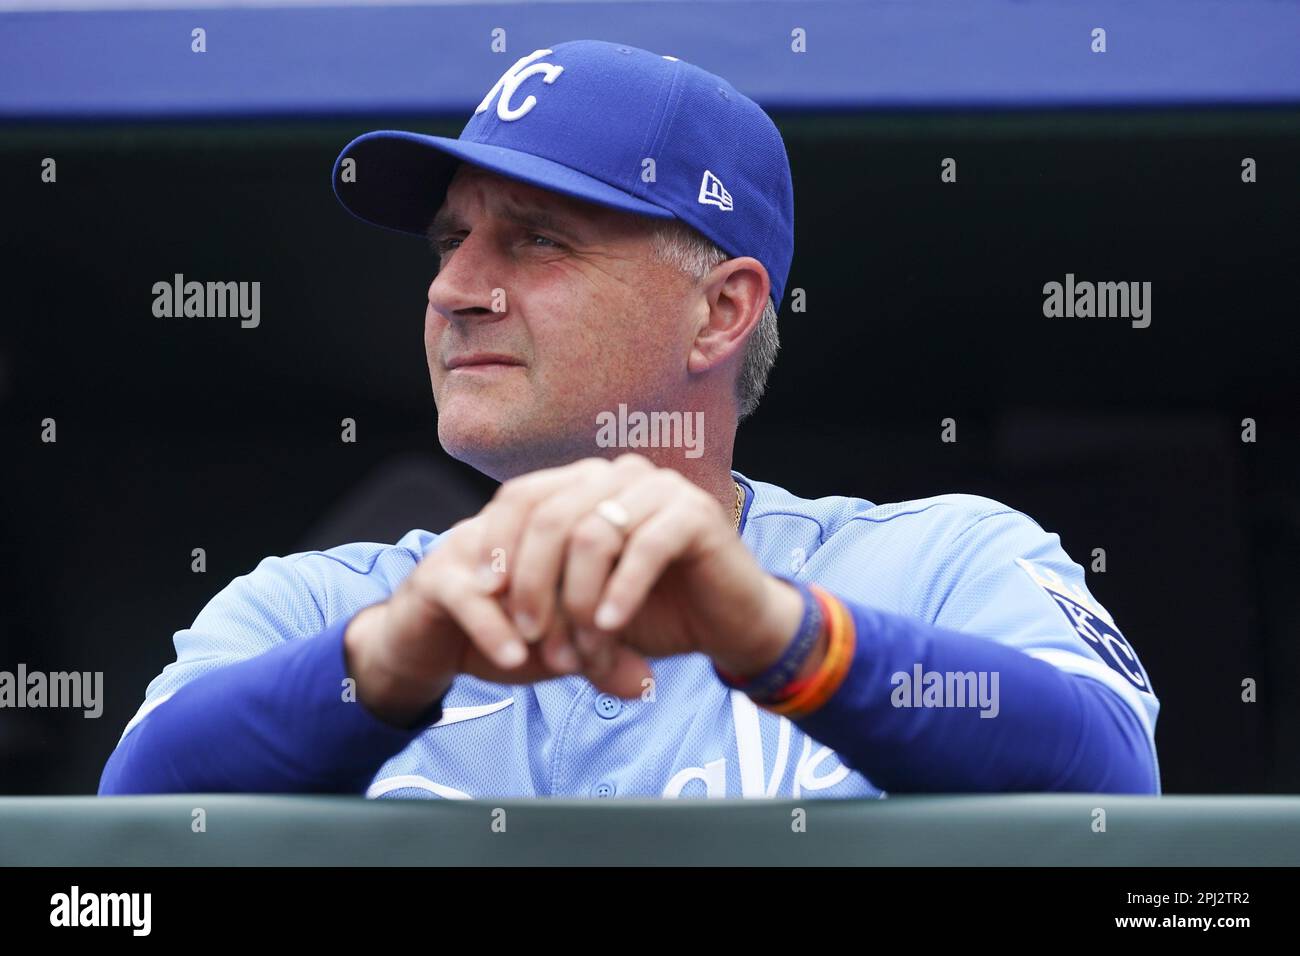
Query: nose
point(469, 285)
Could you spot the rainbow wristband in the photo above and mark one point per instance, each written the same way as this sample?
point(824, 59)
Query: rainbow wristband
point(817, 689)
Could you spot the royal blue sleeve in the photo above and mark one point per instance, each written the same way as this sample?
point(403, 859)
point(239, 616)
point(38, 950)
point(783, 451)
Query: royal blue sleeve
point(278, 722)
point(1052, 730)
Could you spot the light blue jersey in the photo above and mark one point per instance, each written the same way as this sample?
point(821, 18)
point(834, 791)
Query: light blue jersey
point(958, 562)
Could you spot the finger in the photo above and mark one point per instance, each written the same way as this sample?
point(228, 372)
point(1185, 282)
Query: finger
point(469, 520)
point(594, 547)
point(650, 548)
point(531, 671)
point(502, 520)
point(667, 515)
point(595, 650)
point(557, 649)
point(621, 670)
point(479, 616)
point(546, 538)
point(444, 587)
point(461, 539)
point(543, 534)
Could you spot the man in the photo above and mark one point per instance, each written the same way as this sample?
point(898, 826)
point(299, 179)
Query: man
point(629, 616)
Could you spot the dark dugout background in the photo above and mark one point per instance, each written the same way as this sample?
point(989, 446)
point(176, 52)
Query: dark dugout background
point(924, 301)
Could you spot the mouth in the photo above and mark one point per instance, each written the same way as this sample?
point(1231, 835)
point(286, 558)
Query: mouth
point(482, 362)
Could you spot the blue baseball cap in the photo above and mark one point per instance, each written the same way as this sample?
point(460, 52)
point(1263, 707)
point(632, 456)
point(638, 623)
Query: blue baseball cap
point(608, 123)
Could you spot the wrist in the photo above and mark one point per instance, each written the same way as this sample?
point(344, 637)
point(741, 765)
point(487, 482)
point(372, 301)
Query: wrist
point(388, 694)
point(777, 627)
point(794, 652)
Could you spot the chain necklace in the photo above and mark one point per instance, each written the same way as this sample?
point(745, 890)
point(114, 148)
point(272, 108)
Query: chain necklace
point(740, 504)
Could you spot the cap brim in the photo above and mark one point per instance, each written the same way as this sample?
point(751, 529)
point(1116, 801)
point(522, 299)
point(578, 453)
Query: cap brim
point(402, 178)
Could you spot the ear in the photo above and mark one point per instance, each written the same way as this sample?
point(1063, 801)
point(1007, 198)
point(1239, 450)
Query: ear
point(733, 296)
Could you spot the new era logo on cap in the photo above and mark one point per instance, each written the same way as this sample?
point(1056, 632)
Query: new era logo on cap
point(610, 124)
point(713, 193)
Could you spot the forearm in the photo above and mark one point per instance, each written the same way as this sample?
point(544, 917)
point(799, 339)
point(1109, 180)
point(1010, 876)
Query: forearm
point(1047, 730)
point(280, 722)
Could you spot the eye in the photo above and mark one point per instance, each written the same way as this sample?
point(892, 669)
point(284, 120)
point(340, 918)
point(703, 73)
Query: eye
point(443, 246)
point(550, 243)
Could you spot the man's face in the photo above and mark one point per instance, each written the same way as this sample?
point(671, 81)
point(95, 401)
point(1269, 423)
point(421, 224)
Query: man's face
point(545, 312)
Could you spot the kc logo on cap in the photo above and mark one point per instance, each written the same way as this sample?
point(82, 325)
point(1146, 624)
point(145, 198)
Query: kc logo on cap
point(509, 83)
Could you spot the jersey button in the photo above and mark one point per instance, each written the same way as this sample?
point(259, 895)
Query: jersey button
point(603, 790)
point(609, 706)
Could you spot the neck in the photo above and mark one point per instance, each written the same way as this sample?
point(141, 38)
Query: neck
point(714, 476)
point(711, 471)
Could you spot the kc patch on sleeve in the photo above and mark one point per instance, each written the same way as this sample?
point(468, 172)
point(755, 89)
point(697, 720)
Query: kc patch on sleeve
point(1090, 621)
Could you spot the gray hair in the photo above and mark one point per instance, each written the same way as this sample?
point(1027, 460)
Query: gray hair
point(680, 245)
